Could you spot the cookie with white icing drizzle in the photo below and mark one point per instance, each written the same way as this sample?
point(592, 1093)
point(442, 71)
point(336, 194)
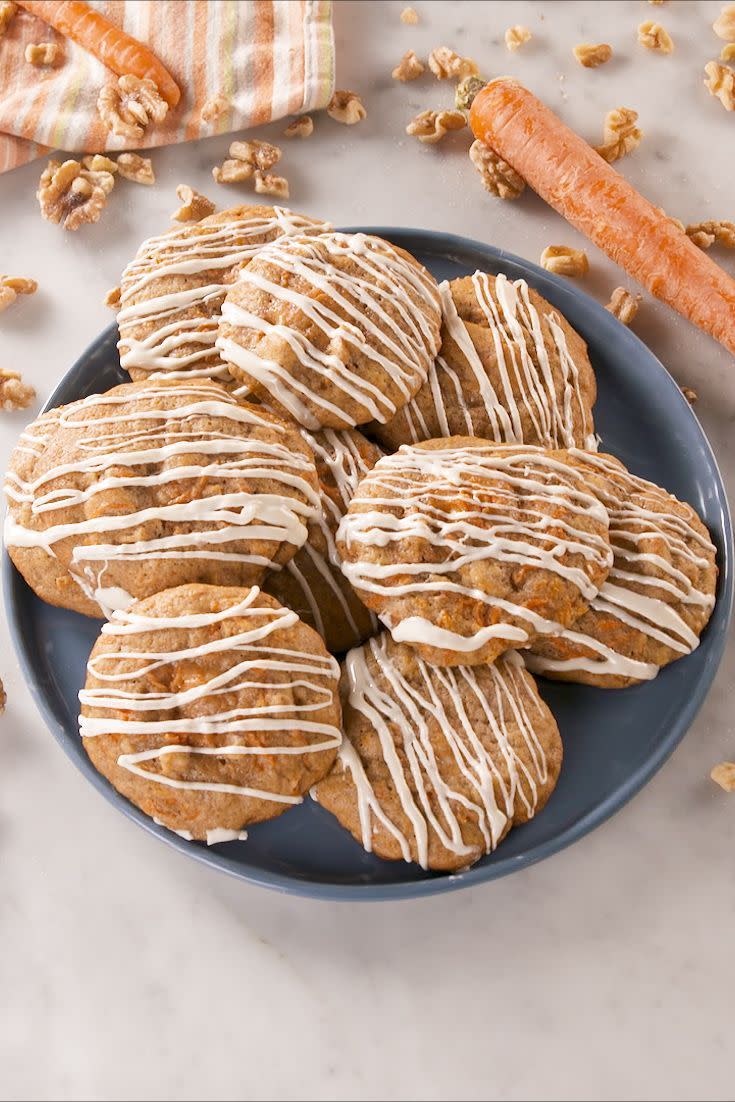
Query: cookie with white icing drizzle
point(311, 583)
point(510, 369)
point(437, 765)
point(173, 290)
point(155, 484)
point(657, 598)
point(466, 549)
point(210, 708)
point(334, 329)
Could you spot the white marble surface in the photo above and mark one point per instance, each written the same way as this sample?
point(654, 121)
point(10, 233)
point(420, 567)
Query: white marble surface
point(607, 972)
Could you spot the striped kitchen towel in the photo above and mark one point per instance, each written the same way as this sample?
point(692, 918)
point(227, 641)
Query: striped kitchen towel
point(269, 58)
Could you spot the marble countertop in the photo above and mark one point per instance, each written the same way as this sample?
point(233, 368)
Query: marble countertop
point(607, 972)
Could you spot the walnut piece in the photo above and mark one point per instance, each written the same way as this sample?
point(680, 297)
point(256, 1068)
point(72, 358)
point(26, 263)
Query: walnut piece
point(20, 285)
point(8, 8)
point(465, 92)
point(621, 135)
point(445, 64)
point(497, 176)
point(564, 261)
point(654, 37)
point(728, 52)
point(346, 107)
point(260, 155)
point(127, 107)
point(516, 36)
point(14, 393)
point(720, 82)
point(302, 127)
point(409, 67)
point(44, 55)
point(724, 24)
point(724, 775)
point(623, 305)
point(233, 172)
point(98, 162)
point(112, 298)
point(215, 108)
point(431, 126)
point(705, 234)
point(136, 168)
point(410, 16)
point(690, 395)
point(267, 183)
point(195, 206)
point(72, 195)
point(591, 55)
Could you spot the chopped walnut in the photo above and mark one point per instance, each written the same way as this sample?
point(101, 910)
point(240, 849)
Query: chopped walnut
point(724, 24)
point(136, 168)
point(215, 108)
point(497, 176)
point(98, 162)
point(724, 775)
point(302, 127)
point(20, 285)
point(112, 298)
point(728, 52)
point(705, 234)
point(233, 172)
point(465, 92)
point(409, 67)
point(7, 10)
point(14, 393)
point(72, 195)
point(195, 205)
point(720, 82)
point(346, 107)
point(591, 55)
point(517, 36)
point(690, 395)
point(267, 183)
point(654, 37)
point(409, 15)
point(564, 261)
point(446, 64)
point(44, 55)
point(431, 126)
point(623, 305)
point(621, 135)
point(260, 155)
point(127, 107)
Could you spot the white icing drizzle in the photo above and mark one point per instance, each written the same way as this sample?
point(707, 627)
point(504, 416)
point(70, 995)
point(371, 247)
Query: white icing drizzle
point(410, 718)
point(633, 524)
point(118, 459)
point(311, 678)
point(217, 247)
point(510, 321)
point(401, 349)
point(440, 496)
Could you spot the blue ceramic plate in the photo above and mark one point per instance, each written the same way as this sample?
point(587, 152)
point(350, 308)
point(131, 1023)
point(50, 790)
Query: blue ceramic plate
point(613, 741)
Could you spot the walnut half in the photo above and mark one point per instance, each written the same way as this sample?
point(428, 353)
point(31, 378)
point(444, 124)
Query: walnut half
point(516, 36)
point(127, 107)
point(497, 176)
point(431, 126)
point(654, 37)
point(621, 135)
point(446, 64)
point(720, 82)
point(346, 107)
point(72, 195)
point(408, 68)
point(591, 55)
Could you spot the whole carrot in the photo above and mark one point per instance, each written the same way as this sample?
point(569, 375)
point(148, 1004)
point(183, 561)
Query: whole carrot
point(598, 201)
point(113, 47)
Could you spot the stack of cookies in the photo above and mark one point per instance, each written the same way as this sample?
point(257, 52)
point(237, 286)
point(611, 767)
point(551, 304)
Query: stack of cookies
point(325, 454)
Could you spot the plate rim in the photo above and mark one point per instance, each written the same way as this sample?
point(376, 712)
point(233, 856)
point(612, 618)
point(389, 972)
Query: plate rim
point(444, 244)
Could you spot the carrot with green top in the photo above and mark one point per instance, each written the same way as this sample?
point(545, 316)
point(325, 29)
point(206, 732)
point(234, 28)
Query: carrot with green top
point(598, 201)
point(113, 47)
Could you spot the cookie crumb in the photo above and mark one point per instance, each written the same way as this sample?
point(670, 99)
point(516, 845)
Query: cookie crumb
point(129, 106)
point(497, 175)
point(620, 134)
point(446, 64)
point(14, 393)
point(409, 67)
point(302, 127)
point(590, 56)
point(215, 108)
point(706, 234)
point(654, 37)
point(690, 394)
point(516, 36)
point(44, 55)
point(724, 775)
point(562, 260)
point(136, 168)
point(623, 305)
point(410, 16)
point(431, 126)
point(720, 82)
point(112, 298)
point(195, 206)
point(724, 24)
point(346, 107)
